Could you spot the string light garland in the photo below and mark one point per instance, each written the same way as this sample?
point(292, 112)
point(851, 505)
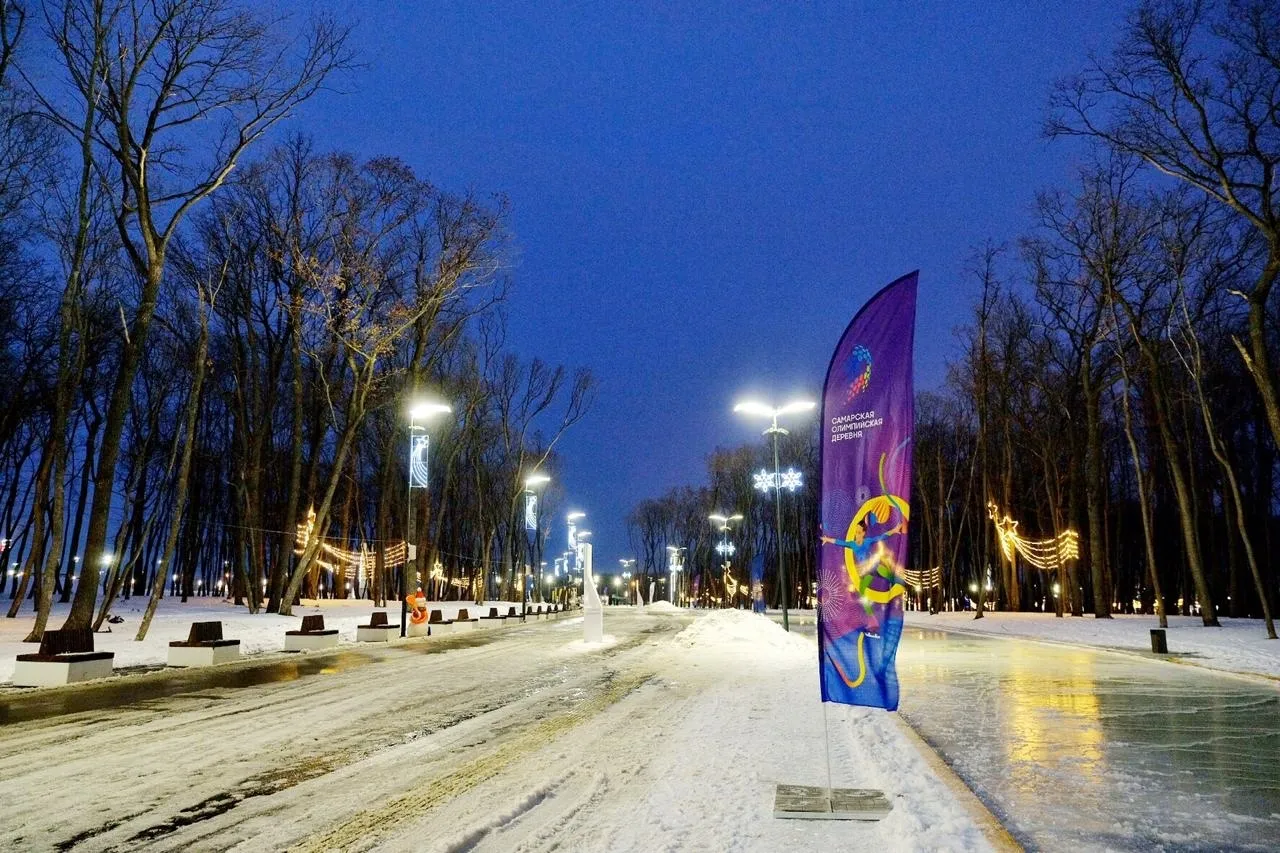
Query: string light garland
point(921, 579)
point(342, 560)
point(1047, 555)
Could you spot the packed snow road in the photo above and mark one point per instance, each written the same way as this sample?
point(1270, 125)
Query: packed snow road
point(671, 736)
point(1077, 749)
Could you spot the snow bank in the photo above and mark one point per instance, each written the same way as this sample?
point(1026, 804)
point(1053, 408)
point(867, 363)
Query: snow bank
point(740, 631)
point(1240, 645)
point(662, 607)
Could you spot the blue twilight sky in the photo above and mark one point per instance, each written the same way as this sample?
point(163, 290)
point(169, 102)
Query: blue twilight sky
point(703, 193)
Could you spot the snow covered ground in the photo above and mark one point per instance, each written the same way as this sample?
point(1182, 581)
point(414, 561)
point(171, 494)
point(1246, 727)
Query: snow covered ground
point(261, 632)
point(672, 737)
point(1240, 645)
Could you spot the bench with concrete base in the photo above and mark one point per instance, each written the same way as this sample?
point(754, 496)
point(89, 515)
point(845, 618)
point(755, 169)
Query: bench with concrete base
point(464, 621)
point(204, 646)
point(65, 657)
point(377, 631)
point(439, 625)
point(312, 636)
point(493, 619)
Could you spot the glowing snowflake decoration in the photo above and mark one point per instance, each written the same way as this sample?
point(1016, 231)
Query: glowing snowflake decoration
point(789, 479)
point(726, 549)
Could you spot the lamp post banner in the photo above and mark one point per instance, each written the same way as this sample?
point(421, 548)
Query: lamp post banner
point(419, 443)
point(530, 511)
point(867, 417)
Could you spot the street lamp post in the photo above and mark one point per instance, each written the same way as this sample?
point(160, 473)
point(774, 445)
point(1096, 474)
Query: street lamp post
point(579, 539)
point(418, 448)
point(725, 549)
point(762, 409)
point(627, 565)
point(531, 523)
point(674, 565)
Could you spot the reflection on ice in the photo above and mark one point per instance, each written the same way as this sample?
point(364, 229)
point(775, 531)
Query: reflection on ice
point(1080, 748)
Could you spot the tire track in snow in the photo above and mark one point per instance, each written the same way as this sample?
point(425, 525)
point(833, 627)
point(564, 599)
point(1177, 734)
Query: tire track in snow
point(367, 826)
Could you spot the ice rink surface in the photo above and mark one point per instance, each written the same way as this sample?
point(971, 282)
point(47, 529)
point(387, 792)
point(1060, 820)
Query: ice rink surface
point(1077, 749)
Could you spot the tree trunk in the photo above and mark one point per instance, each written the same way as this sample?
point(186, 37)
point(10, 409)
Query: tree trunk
point(184, 467)
point(1095, 490)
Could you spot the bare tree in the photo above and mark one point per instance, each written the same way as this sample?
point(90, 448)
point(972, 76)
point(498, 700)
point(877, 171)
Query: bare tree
point(173, 93)
point(1193, 89)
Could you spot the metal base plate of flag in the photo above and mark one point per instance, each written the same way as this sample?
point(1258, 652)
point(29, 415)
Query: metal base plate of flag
point(811, 802)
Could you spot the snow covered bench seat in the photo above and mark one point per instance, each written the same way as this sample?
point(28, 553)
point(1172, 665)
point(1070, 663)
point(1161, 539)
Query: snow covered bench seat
point(439, 625)
point(204, 646)
point(493, 619)
point(65, 657)
point(312, 636)
point(377, 631)
point(464, 621)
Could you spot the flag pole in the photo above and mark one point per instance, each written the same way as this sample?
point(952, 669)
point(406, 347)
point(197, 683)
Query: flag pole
point(826, 737)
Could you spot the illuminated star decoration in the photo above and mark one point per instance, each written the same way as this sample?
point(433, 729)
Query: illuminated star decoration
point(1048, 555)
point(789, 479)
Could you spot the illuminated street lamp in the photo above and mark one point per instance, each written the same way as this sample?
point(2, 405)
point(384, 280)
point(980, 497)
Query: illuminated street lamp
point(532, 523)
point(627, 566)
point(419, 445)
point(752, 407)
point(675, 563)
point(724, 547)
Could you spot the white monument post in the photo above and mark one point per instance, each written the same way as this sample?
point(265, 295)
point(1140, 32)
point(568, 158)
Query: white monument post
point(651, 585)
point(593, 610)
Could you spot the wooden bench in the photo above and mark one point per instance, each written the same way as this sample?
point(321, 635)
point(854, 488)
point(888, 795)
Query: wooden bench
point(493, 618)
point(377, 631)
point(439, 625)
point(464, 621)
point(204, 646)
point(65, 657)
point(312, 636)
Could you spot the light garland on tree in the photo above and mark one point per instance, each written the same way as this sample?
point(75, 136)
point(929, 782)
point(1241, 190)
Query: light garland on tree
point(924, 578)
point(1047, 555)
point(341, 560)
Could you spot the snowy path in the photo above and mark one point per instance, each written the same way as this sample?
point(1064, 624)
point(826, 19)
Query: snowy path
point(1087, 750)
point(662, 740)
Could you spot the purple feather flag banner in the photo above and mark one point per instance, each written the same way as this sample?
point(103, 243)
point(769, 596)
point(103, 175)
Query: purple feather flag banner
point(868, 411)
